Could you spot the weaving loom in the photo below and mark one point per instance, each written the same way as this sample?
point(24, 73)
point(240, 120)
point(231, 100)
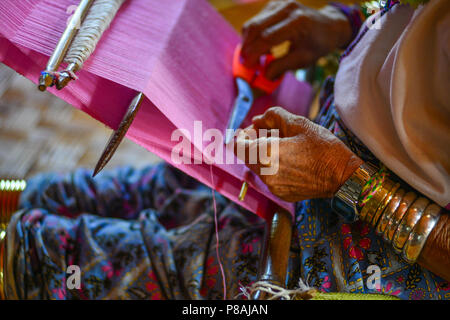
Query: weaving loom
point(172, 53)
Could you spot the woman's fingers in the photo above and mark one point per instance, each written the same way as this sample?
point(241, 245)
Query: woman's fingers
point(246, 149)
point(311, 34)
point(266, 40)
point(275, 118)
point(259, 153)
point(288, 124)
point(253, 46)
point(284, 29)
point(296, 59)
point(267, 120)
point(272, 13)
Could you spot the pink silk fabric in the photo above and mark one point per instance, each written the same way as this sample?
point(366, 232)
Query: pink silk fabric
point(178, 52)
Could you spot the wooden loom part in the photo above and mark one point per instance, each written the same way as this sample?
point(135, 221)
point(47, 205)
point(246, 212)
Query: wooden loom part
point(275, 252)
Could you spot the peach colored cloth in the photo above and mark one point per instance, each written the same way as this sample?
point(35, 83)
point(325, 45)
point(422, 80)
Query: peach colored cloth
point(393, 92)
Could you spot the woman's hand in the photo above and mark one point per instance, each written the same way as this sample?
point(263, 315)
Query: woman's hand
point(312, 162)
point(312, 33)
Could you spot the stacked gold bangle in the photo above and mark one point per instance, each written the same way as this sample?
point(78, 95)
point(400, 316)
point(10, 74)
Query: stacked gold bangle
point(371, 212)
point(419, 234)
point(408, 222)
point(398, 215)
point(403, 219)
point(387, 215)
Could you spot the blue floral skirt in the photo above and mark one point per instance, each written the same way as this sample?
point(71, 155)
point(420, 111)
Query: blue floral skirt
point(150, 234)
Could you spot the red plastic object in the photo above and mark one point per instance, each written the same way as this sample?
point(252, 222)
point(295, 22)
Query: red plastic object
point(254, 76)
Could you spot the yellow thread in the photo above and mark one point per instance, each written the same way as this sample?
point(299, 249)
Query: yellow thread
point(243, 192)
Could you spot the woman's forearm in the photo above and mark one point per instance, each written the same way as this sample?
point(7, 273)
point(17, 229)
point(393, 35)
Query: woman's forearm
point(435, 255)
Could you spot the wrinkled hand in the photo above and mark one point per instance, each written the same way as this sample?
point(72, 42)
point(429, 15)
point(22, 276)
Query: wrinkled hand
point(312, 33)
point(312, 162)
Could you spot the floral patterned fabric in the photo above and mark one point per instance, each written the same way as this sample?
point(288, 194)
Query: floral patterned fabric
point(135, 234)
point(149, 234)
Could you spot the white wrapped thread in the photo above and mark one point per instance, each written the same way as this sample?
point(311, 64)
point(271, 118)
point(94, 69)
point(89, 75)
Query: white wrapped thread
point(98, 19)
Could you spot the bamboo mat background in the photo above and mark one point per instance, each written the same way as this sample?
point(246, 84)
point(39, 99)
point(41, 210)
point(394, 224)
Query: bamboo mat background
point(40, 133)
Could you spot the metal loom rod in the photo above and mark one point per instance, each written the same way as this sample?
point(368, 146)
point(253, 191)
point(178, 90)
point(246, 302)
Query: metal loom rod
point(47, 77)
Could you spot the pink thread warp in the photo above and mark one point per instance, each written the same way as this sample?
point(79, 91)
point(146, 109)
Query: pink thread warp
point(217, 239)
point(178, 52)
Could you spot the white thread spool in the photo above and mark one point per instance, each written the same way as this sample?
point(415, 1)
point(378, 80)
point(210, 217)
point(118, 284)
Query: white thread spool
point(98, 19)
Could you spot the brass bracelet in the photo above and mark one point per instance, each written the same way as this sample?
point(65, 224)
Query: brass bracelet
point(389, 211)
point(368, 211)
point(387, 199)
point(346, 201)
point(408, 222)
point(397, 217)
point(420, 233)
